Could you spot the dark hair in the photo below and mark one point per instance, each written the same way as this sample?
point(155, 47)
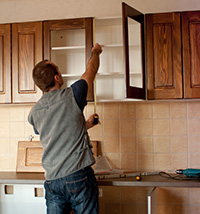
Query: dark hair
point(43, 75)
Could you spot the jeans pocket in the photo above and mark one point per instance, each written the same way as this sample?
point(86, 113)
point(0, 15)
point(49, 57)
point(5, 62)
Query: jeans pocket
point(78, 189)
point(49, 192)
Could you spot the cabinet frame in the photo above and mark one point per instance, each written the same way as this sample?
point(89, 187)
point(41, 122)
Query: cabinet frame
point(70, 24)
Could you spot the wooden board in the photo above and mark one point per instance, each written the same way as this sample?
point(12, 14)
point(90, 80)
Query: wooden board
point(30, 154)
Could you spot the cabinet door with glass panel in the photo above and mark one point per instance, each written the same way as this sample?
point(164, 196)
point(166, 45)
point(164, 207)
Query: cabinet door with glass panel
point(121, 72)
point(68, 44)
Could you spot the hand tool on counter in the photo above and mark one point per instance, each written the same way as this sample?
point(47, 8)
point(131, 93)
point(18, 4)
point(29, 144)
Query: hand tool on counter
point(189, 172)
point(137, 175)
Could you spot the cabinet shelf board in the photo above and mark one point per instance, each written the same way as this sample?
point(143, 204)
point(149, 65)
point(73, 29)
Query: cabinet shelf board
point(67, 48)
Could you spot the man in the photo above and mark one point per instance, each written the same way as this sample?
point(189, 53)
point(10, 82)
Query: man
point(67, 156)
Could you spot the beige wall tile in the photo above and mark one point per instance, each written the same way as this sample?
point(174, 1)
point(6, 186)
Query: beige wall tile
point(178, 110)
point(17, 113)
point(17, 129)
point(110, 111)
point(193, 109)
point(111, 144)
point(111, 127)
point(161, 144)
point(127, 144)
point(127, 127)
point(178, 127)
point(4, 114)
point(144, 144)
point(145, 161)
point(4, 145)
point(194, 210)
point(194, 143)
point(161, 110)
point(179, 144)
point(143, 111)
point(4, 162)
point(144, 127)
point(194, 160)
point(193, 126)
point(179, 161)
point(127, 110)
point(128, 161)
point(162, 162)
point(161, 127)
point(4, 130)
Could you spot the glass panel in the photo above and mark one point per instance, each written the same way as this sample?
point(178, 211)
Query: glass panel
point(135, 53)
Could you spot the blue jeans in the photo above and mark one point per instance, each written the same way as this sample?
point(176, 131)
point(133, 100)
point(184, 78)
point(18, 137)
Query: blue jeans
point(77, 192)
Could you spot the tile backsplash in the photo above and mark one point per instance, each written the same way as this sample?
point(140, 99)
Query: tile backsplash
point(134, 136)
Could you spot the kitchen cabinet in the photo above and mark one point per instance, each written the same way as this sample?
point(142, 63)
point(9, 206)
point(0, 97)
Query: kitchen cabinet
point(172, 56)
point(122, 61)
point(191, 54)
point(26, 51)
point(5, 63)
point(68, 44)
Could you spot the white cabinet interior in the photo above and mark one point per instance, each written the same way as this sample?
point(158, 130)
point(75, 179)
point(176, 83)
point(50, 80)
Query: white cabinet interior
point(22, 199)
point(68, 52)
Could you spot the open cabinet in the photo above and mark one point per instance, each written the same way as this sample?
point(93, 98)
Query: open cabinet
point(68, 44)
point(121, 72)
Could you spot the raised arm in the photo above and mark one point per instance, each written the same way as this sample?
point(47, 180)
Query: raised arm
point(92, 66)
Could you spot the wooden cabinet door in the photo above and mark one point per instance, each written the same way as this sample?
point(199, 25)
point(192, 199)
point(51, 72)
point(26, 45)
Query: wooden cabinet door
point(26, 52)
point(5, 63)
point(70, 24)
point(163, 56)
point(191, 53)
point(129, 12)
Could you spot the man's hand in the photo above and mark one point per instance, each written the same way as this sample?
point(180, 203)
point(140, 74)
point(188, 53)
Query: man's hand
point(89, 122)
point(97, 49)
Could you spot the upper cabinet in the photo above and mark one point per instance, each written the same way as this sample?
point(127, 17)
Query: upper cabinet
point(191, 53)
point(26, 52)
point(68, 44)
point(5, 63)
point(172, 55)
point(121, 71)
point(163, 56)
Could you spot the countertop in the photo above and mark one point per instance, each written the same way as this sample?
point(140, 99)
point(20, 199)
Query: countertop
point(147, 180)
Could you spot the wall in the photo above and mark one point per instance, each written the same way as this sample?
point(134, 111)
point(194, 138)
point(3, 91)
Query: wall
point(33, 10)
point(144, 136)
